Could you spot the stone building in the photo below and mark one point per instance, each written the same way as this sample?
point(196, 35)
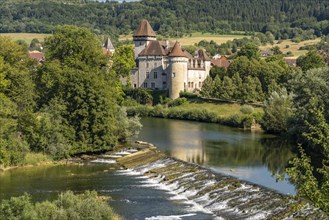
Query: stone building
point(164, 65)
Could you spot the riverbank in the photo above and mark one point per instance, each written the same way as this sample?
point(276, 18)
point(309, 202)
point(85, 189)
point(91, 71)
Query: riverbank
point(233, 115)
point(221, 195)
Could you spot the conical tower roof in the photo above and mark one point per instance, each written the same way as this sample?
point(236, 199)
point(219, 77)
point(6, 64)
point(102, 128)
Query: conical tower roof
point(144, 30)
point(108, 44)
point(177, 51)
point(203, 56)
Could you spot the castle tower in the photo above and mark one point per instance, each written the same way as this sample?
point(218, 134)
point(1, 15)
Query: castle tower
point(178, 71)
point(142, 36)
point(109, 46)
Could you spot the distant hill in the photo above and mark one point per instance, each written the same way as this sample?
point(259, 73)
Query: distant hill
point(284, 18)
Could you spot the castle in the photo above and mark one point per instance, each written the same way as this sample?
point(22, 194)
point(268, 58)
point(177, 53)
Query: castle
point(164, 65)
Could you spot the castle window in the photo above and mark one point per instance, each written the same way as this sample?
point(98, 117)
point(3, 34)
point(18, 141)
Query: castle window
point(147, 75)
point(153, 85)
point(189, 84)
point(147, 65)
point(145, 85)
point(199, 84)
point(135, 85)
point(173, 75)
point(192, 85)
point(155, 75)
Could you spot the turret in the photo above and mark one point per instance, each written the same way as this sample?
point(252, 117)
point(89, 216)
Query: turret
point(142, 36)
point(178, 71)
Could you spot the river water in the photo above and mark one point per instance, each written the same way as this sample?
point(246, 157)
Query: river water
point(250, 156)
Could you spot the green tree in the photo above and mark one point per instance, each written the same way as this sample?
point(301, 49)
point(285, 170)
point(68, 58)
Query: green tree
point(250, 50)
point(75, 47)
point(228, 88)
point(278, 110)
point(76, 80)
point(207, 87)
point(217, 71)
point(310, 61)
point(123, 60)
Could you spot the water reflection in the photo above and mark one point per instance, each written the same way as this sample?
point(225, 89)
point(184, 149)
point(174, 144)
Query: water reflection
point(255, 157)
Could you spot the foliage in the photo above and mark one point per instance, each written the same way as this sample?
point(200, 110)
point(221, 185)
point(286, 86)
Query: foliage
point(123, 60)
point(310, 61)
point(177, 102)
point(310, 126)
point(65, 106)
point(250, 51)
point(127, 126)
point(142, 96)
point(284, 19)
point(247, 109)
point(67, 206)
point(278, 111)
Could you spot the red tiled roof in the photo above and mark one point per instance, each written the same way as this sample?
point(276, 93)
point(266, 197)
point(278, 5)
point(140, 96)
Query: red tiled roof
point(291, 61)
point(154, 48)
point(221, 63)
point(177, 51)
point(144, 30)
point(36, 55)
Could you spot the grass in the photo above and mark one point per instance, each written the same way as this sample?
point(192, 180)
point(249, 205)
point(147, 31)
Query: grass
point(196, 38)
point(288, 45)
point(221, 110)
point(27, 37)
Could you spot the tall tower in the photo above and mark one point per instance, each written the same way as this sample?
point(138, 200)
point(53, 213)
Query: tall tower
point(177, 70)
point(142, 36)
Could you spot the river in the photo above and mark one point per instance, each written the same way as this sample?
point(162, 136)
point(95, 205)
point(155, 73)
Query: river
point(254, 157)
point(251, 156)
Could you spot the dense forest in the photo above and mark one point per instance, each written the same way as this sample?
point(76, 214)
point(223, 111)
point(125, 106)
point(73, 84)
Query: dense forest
point(68, 105)
point(284, 18)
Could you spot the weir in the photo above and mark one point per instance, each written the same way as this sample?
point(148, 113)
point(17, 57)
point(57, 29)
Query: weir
point(222, 196)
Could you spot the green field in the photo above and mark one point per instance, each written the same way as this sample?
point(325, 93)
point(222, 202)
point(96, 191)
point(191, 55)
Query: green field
point(27, 37)
point(288, 45)
point(196, 38)
point(222, 110)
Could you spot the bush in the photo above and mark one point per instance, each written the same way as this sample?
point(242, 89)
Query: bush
point(140, 110)
point(68, 206)
point(177, 102)
point(247, 109)
point(188, 95)
point(35, 159)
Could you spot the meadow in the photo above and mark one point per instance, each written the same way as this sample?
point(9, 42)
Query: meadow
point(287, 45)
point(27, 37)
point(195, 38)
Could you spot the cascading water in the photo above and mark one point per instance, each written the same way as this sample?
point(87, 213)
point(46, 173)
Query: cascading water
point(222, 196)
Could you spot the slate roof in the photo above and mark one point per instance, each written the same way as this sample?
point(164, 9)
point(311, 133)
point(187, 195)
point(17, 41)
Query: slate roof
point(108, 44)
point(144, 30)
point(154, 48)
point(177, 51)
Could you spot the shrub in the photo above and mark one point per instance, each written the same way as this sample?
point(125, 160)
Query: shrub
point(68, 206)
point(177, 102)
point(35, 159)
point(188, 95)
point(247, 109)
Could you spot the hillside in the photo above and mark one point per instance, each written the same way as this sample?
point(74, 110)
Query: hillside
point(284, 18)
